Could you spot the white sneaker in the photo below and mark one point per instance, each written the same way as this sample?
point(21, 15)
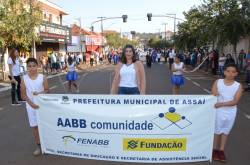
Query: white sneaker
point(77, 90)
point(37, 152)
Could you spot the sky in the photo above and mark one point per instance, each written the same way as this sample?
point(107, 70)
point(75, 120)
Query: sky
point(136, 10)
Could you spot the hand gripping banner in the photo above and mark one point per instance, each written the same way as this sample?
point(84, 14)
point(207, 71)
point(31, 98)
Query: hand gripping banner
point(134, 128)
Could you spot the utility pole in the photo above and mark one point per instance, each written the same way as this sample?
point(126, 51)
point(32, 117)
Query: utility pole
point(80, 35)
point(165, 24)
point(102, 32)
point(174, 25)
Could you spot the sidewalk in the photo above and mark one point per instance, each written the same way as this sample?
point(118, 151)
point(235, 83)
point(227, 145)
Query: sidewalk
point(240, 78)
point(5, 86)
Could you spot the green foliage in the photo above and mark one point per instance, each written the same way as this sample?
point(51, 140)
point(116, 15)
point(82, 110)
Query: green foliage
point(115, 41)
point(18, 19)
point(221, 21)
point(159, 43)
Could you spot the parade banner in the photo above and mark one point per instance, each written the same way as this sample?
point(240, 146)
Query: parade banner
point(128, 128)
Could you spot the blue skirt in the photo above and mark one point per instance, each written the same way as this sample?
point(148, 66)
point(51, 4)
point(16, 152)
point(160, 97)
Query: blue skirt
point(71, 76)
point(177, 80)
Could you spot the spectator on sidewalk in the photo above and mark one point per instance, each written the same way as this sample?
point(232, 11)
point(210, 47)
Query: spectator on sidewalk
point(109, 57)
point(241, 58)
point(158, 56)
point(92, 59)
point(44, 62)
point(62, 61)
point(171, 58)
point(15, 77)
point(215, 62)
point(53, 63)
point(23, 65)
point(229, 59)
point(222, 61)
point(248, 71)
point(101, 58)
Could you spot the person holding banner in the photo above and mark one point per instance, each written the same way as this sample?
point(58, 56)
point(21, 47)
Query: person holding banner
point(32, 85)
point(129, 74)
point(177, 79)
point(228, 93)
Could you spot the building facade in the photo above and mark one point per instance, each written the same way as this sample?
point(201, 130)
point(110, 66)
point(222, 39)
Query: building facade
point(86, 40)
point(53, 34)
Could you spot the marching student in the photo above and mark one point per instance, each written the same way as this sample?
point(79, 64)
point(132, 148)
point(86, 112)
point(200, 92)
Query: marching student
point(72, 75)
point(129, 76)
point(177, 78)
point(33, 84)
point(228, 92)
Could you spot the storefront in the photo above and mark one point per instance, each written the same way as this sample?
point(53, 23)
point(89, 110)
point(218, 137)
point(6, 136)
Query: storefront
point(53, 37)
point(94, 43)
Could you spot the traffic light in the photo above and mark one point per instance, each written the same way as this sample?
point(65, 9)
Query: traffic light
point(132, 32)
point(92, 28)
point(149, 15)
point(124, 18)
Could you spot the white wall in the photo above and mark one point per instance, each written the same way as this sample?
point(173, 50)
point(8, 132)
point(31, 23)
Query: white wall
point(243, 44)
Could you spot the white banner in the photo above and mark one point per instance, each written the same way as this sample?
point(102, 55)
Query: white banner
point(134, 128)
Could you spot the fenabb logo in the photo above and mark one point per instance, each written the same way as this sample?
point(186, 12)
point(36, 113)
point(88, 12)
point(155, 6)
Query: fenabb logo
point(171, 118)
point(72, 140)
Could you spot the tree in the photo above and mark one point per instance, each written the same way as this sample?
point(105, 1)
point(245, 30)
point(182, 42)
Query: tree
point(18, 20)
point(115, 41)
point(215, 21)
point(159, 43)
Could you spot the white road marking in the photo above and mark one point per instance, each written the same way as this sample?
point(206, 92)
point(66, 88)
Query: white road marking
point(55, 75)
point(247, 116)
point(195, 83)
point(1, 109)
point(5, 84)
point(53, 87)
point(5, 89)
point(206, 90)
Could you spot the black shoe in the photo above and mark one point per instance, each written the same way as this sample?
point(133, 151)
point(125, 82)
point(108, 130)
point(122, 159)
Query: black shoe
point(15, 103)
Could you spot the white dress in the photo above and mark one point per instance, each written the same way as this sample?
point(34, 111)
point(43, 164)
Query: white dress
point(225, 116)
point(31, 87)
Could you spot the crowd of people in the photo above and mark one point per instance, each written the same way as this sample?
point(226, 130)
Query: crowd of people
point(202, 59)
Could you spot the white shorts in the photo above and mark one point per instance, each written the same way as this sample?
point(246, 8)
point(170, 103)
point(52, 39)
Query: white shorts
point(32, 117)
point(224, 121)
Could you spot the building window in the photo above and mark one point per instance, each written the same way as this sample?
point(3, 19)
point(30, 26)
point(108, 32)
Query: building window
point(44, 16)
point(50, 18)
point(58, 19)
